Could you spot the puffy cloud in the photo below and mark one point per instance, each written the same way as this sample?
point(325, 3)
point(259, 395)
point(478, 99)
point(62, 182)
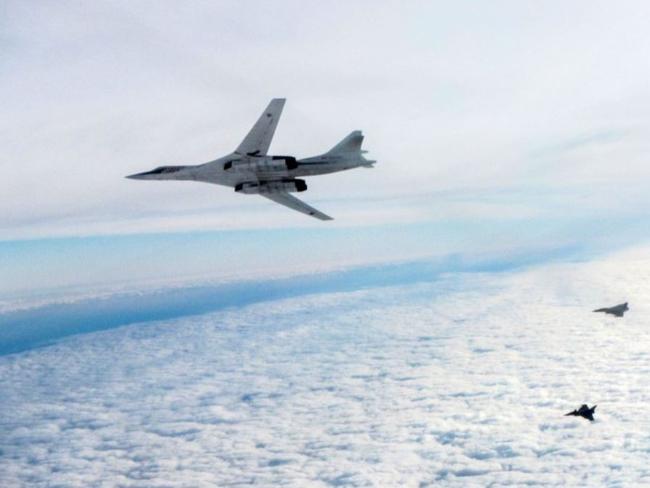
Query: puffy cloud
point(462, 381)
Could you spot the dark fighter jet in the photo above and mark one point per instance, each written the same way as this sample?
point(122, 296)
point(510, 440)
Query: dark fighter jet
point(585, 412)
point(617, 310)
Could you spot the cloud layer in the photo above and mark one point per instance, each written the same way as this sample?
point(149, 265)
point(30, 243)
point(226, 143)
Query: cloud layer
point(462, 382)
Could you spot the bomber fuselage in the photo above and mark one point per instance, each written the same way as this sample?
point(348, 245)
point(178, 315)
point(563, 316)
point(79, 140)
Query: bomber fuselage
point(235, 169)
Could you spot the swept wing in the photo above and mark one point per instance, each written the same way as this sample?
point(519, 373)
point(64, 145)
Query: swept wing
point(258, 139)
point(296, 204)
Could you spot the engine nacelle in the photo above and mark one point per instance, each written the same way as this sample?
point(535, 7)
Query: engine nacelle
point(264, 164)
point(280, 186)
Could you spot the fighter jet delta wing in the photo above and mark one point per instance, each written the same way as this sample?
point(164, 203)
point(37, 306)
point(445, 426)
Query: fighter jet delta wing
point(617, 310)
point(258, 139)
point(294, 203)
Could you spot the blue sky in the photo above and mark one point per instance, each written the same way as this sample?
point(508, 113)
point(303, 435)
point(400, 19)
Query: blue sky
point(502, 128)
point(146, 260)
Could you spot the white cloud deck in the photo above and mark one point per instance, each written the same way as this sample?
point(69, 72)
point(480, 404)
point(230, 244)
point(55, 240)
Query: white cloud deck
point(465, 381)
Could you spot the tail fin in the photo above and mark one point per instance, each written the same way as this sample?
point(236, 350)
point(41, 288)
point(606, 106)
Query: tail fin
point(350, 144)
point(350, 147)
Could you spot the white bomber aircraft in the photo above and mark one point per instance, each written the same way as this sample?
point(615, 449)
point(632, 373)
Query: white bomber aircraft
point(252, 171)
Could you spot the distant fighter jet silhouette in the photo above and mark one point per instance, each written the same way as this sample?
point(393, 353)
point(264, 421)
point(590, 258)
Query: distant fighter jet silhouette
point(585, 412)
point(617, 310)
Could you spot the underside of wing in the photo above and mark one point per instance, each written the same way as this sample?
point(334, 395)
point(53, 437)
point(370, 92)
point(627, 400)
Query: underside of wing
point(258, 139)
point(294, 203)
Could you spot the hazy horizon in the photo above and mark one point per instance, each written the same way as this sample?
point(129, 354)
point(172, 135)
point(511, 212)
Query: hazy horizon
point(511, 125)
